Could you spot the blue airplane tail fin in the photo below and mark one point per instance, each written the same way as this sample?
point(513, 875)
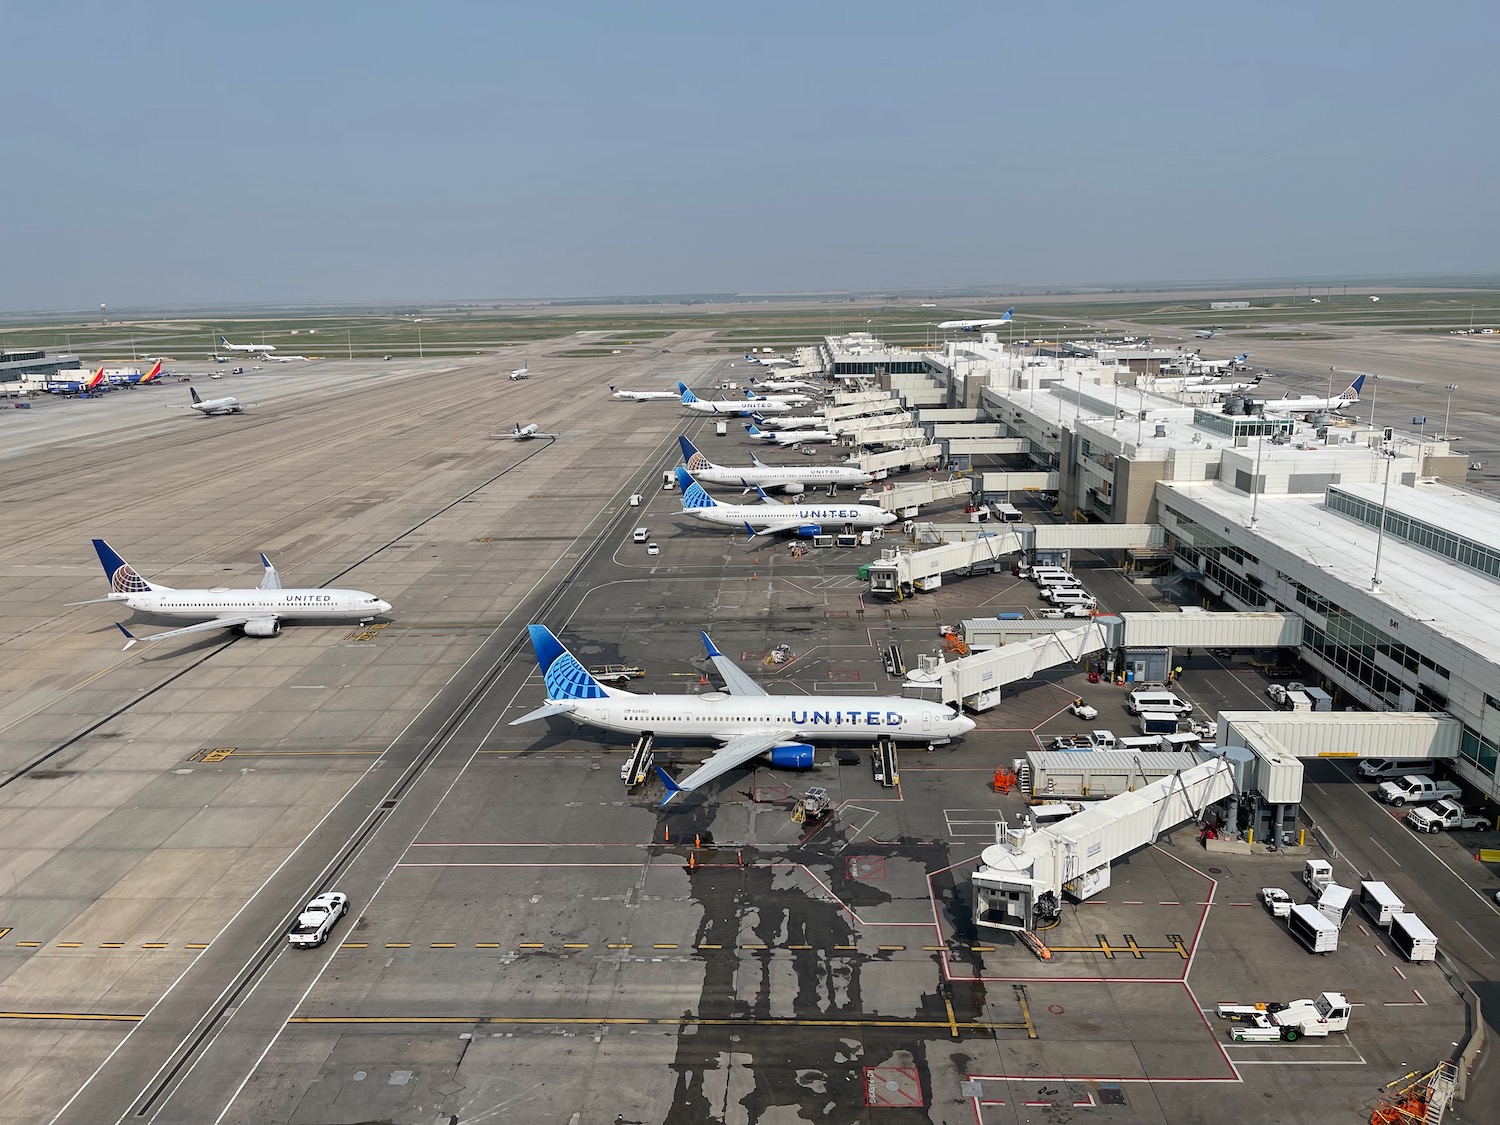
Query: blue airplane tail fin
point(692, 456)
point(1355, 387)
point(1008, 312)
point(693, 495)
point(566, 678)
point(686, 392)
point(122, 577)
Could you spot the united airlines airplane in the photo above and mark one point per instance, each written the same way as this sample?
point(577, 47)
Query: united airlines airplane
point(719, 406)
point(972, 325)
point(791, 479)
point(746, 720)
point(771, 517)
point(256, 613)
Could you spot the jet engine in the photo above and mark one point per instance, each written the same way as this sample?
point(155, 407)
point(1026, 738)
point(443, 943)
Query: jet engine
point(796, 756)
point(262, 627)
point(792, 488)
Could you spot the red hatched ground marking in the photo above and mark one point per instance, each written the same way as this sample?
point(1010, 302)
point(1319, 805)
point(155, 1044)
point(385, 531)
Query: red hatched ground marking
point(894, 1087)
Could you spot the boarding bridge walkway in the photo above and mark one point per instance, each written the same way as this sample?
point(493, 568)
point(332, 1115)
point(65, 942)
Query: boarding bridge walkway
point(1031, 870)
point(897, 459)
point(906, 498)
point(976, 681)
point(898, 571)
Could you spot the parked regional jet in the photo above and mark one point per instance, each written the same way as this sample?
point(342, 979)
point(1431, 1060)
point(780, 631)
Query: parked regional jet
point(522, 372)
point(1206, 333)
point(260, 349)
point(771, 517)
point(789, 437)
point(640, 396)
point(791, 479)
point(783, 422)
point(971, 325)
point(783, 385)
point(256, 613)
point(720, 406)
point(1312, 404)
point(286, 358)
point(743, 718)
point(1224, 388)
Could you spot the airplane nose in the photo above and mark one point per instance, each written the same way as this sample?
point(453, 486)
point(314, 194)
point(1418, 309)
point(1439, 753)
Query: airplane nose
point(965, 724)
point(385, 607)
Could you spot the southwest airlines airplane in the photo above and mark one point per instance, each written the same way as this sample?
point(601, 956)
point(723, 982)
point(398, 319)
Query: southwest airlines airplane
point(256, 613)
point(746, 720)
point(772, 516)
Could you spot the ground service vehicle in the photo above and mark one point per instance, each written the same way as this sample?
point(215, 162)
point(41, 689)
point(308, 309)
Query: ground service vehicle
point(1298, 1020)
point(1155, 699)
point(1445, 814)
point(1379, 902)
point(317, 920)
point(1277, 901)
point(1395, 767)
point(640, 535)
point(1415, 790)
point(1312, 929)
point(1094, 740)
point(1411, 936)
point(1083, 710)
point(1317, 874)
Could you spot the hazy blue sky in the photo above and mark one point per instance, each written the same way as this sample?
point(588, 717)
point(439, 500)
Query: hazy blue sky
point(164, 153)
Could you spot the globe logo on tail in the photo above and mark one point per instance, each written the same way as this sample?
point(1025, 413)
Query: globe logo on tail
point(126, 581)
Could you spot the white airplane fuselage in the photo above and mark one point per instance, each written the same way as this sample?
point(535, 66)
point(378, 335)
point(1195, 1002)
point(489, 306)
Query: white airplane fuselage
point(253, 349)
point(219, 406)
point(743, 406)
point(722, 716)
point(644, 396)
point(205, 605)
point(768, 475)
point(775, 515)
point(798, 437)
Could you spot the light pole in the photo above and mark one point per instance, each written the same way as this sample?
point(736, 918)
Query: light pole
point(349, 340)
point(1385, 493)
point(420, 353)
point(1255, 483)
point(1374, 392)
point(1330, 382)
point(1448, 410)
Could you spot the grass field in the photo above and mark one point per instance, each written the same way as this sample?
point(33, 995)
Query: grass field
point(470, 331)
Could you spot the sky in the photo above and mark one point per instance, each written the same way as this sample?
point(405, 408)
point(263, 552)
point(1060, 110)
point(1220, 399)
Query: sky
point(165, 154)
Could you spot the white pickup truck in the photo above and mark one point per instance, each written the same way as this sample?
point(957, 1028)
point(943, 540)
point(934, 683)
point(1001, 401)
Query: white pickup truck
point(316, 921)
point(1414, 790)
point(1287, 1023)
point(1445, 814)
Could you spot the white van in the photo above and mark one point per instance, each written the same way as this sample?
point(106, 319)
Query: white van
point(1054, 577)
point(1040, 572)
point(1154, 699)
point(1375, 768)
point(640, 535)
point(1071, 595)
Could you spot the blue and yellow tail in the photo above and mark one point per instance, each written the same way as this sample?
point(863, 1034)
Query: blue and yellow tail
point(565, 677)
point(122, 577)
point(693, 495)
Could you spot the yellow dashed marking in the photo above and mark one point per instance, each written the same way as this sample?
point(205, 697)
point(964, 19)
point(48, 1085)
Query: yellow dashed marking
point(891, 947)
point(621, 945)
point(533, 945)
point(70, 945)
point(846, 947)
point(445, 945)
point(355, 945)
point(486, 945)
point(575, 945)
point(398, 945)
point(935, 948)
point(749, 945)
point(154, 945)
point(30, 944)
point(799, 947)
point(665, 945)
point(196, 945)
point(111, 945)
point(710, 947)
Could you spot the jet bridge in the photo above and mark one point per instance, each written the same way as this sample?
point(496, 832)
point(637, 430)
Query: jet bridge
point(1020, 879)
point(906, 498)
point(975, 681)
point(881, 463)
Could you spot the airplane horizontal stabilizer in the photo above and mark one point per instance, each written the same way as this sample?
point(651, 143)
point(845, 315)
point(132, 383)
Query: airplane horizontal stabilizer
point(543, 713)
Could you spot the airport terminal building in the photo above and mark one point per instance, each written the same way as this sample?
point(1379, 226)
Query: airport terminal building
point(1368, 537)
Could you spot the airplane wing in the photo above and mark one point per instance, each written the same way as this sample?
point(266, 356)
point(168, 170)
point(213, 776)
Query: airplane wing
point(735, 752)
point(736, 682)
point(272, 580)
point(201, 627)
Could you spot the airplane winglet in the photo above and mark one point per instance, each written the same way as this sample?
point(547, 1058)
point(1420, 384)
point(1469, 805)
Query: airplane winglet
point(673, 789)
point(709, 645)
point(749, 532)
point(130, 638)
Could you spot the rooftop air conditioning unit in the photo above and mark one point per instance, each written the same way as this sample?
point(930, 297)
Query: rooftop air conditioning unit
point(1161, 430)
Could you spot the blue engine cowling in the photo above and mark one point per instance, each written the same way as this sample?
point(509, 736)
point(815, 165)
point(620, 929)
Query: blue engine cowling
point(797, 756)
point(808, 530)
